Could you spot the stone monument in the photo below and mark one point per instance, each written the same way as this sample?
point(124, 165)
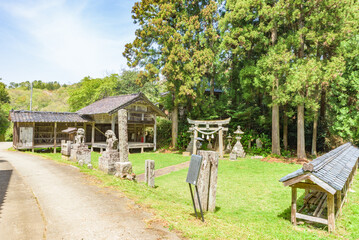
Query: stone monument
point(79, 150)
point(207, 180)
point(65, 149)
point(259, 143)
point(237, 150)
point(150, 173)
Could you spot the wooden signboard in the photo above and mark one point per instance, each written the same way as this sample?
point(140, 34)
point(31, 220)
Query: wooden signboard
point(192, 178)
point(193, 170)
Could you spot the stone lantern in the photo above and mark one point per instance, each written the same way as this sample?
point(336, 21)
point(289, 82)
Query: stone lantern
point(237, 150)
point(229, 145)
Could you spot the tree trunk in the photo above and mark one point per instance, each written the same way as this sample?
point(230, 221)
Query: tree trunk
point(315, 131)
point(300, 133)
point(275, 130)
point(212, 86)
point(275, 107)
point(174, 126)
point(285, 128)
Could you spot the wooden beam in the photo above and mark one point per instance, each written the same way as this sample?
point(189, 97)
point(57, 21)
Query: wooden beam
point(92, 135)
point(155, 133)
point(220, 135)
point(312, 219)
point(331, 214)
point(338, 203)
point(322, 184)
point(308, 186)
point(55, 126)
point(113, 123)
point(195, 142)
point(33, 137)
point(100, 131)
point(294, 206)
point(295, 180)
point(209, 129)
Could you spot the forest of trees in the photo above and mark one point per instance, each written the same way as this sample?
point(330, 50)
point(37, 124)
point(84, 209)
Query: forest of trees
point(285, 71)
point(288, 69)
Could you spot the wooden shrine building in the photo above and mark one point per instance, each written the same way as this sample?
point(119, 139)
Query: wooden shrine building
point(44, 129)
point(326, 181)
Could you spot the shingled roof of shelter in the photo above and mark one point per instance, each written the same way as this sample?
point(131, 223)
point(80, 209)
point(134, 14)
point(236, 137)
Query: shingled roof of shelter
point(112, 104)
point(34, 116)
point(333, 167)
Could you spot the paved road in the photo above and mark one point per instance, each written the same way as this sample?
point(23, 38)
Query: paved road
point(42, 199)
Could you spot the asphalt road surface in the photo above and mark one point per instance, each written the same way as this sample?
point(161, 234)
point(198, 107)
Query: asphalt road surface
point(42, 199)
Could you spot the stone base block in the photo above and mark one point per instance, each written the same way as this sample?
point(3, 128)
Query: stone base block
point(124, 170)
point(233, 156)
point(106, 162)
point(83, 154)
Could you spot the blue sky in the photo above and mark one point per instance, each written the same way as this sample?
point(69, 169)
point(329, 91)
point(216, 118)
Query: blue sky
point(64, 41)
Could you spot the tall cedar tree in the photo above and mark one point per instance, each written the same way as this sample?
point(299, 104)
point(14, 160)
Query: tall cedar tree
point(176, 39)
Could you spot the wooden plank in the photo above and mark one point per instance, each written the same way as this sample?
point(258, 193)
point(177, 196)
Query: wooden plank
point(33, 137)
point(319, 206)
point(294, 206)
point(155, 133)
point(92, 135)
point(338, 203)
point(312, 219)
point(195, 142)
point(55, 126)
point(295, 180)
point(322, 184)
point(308, 186)
point(331, 216)
point(220, 135)
point(210, 122)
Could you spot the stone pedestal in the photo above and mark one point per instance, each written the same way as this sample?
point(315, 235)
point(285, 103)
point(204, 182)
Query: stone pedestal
point(232, 156)
point(238, 149)
point(150, 173)
point(106, 162)
point(124, 170)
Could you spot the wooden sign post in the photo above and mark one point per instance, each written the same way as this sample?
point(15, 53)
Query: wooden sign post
point(192, 179)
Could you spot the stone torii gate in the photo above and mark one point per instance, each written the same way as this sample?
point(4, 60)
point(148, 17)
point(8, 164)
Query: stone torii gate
point(208, 127)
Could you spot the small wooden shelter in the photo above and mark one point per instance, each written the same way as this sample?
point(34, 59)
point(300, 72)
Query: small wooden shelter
point(326, 181)
point(45, 129)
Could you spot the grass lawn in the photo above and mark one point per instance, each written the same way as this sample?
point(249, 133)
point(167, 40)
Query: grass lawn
point(251, 202)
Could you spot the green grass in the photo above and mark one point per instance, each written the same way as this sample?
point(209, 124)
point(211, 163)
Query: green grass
point(250, 203)
point(138, 160)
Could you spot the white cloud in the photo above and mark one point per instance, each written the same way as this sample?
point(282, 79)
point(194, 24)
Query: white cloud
point(67, 39)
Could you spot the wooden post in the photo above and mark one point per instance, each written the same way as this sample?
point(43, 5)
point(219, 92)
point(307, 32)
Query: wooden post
point(155, 133)
point(92, 135)
point(331, 214)
point(144, 132)
point(150, 173)
point(113, 126)
point(220, 135)
point(195, 140)
point(33, 137)
point(294, 206)
point(55, 126)
point(339, 202)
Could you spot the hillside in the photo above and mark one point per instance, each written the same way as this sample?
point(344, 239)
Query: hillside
point(42, 100)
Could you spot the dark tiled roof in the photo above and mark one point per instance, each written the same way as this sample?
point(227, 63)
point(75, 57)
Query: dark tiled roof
point(112, 104)
point(33, 116)
point(333, 167)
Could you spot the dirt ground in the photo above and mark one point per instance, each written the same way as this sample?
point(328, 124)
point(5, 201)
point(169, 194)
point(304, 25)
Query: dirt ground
point(42, 199)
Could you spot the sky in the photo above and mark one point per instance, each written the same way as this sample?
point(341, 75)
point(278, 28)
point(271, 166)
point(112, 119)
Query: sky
point(64, 41)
